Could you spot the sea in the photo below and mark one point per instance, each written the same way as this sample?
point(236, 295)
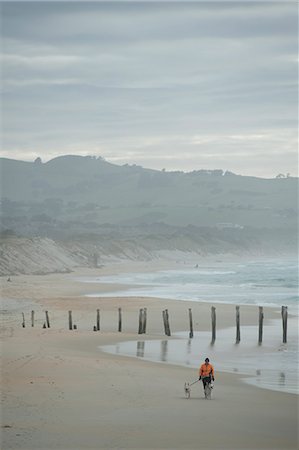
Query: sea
point(263, 283)
point(272, 365)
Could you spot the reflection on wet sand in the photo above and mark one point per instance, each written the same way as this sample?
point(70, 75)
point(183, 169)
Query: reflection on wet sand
point(188, 352)
point(164, 351)
point(264, 365)
point(140, 349)
point(282, 379)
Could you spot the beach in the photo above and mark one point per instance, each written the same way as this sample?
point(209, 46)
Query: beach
point(61, 390)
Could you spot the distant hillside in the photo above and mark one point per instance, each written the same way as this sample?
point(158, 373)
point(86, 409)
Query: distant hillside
point(74, 194)
point(82, 211)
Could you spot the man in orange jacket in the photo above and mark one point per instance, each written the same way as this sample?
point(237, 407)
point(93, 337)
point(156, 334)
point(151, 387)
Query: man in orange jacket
point(206, 372)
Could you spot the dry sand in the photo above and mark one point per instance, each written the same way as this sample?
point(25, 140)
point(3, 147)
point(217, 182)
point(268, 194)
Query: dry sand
point(60, 391)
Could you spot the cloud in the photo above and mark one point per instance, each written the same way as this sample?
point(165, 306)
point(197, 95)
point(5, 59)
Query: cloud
point(125, 79)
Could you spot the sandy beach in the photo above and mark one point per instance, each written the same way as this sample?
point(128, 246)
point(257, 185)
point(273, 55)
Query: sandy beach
point(60, 391)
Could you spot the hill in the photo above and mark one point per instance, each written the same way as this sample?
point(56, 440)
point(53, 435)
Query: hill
point(87, 199)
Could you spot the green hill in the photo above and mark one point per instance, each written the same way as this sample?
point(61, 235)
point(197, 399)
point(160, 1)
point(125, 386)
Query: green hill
point(90, 201)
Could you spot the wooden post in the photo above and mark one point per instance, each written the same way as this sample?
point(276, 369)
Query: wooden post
point(169, 334)
point(144, 320)
point(47, 319)
point(164, 321)
point(119, 320)
point(213, 315)
point(284, 314)
point(238, 334)
point(167, 322)
point(32, 318)
point(261, 319)
point(98, 320)
point(191, 323)
point(23, 323)
point(70, 321)
point(140, 321)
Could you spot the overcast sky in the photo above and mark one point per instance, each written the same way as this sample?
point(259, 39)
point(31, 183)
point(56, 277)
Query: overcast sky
point(173, 85)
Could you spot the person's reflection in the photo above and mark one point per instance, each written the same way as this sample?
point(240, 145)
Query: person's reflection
point(164, 349)
point(140, 349)
point(282, 379)
point(189, 341)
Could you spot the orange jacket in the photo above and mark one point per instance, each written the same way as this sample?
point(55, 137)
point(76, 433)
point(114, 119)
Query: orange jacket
point(206, 370)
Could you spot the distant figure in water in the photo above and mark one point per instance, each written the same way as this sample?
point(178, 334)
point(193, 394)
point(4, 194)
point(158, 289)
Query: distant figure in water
point(196, 267)
point(8, 279)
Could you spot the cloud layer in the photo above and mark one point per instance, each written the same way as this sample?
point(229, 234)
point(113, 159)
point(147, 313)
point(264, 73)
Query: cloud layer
point(162, 84)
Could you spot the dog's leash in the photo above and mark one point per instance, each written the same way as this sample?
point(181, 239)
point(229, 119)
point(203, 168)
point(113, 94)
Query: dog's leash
point(193, 382)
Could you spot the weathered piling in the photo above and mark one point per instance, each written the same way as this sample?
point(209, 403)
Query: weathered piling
point(98, 320)
point(70, 320)
point(140, 321)
point(284, 315)
point(165, 314)
point(261, 320)
point(166, 322)
point(47, 319)
point(191, 323)
point(213, 316)
point(238, 333)
point(119, 320)
point(144, 320)
point(167, 319)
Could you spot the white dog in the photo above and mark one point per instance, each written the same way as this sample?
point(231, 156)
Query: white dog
point(187, 390)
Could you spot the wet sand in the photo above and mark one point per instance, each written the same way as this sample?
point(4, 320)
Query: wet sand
point(60, 391)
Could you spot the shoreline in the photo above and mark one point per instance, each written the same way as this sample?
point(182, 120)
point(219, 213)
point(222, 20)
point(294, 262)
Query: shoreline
point(60, 391)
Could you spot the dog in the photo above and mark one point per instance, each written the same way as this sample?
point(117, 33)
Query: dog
point(187, 390)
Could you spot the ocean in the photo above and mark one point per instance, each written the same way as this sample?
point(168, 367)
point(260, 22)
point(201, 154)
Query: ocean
point(263, 283)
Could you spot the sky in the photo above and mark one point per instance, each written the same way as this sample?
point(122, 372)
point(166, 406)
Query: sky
point(165, 85)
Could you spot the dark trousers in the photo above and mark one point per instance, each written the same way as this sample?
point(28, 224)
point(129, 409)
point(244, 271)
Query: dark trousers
point(206, 380)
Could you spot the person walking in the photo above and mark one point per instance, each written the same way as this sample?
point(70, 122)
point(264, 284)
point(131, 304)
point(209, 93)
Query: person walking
point(206, 373)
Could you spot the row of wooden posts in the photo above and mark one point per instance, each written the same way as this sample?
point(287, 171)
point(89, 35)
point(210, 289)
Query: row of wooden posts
point(165, 315)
